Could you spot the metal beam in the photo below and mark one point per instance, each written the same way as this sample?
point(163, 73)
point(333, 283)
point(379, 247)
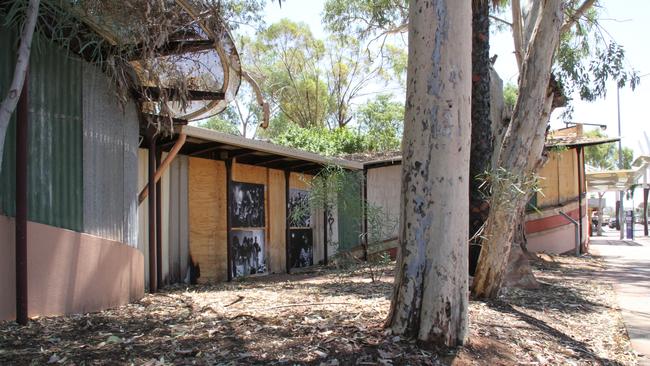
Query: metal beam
point(287, 245)
point(165, 164)
point(159, 276)
point(326, 224)
point(229, 217)
point(155, 93)
point(22, 141)
point(172, 48)
point(364, 203)
point(212, 147)
point(153, 277)
point(293, 166)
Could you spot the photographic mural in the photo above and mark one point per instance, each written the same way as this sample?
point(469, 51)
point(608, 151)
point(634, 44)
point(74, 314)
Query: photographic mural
point(247, 252)
point(302, 248)
point(247, 207)
point(299, 215)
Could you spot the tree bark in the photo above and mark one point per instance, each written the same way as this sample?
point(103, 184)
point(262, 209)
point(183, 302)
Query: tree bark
point(520, 273)
point(430, 298)
point(600, 213)
point(22, 63)
point(521, 151)
point(482, 141)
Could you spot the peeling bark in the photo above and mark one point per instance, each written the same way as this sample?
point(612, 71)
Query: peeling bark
point(430, 298)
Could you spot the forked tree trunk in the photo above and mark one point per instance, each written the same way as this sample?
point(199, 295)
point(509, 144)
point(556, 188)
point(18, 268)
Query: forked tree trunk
point(522, 149)
point(430, 297)
point(22, 63)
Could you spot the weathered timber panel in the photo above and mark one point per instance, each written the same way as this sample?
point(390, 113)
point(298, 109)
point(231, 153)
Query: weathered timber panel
point(277, 213)
point(567, 176)
point(549, 182)
point(207, 217)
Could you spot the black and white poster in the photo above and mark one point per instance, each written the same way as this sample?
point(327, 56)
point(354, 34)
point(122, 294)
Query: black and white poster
point(247, 252)
point(302, 248)
point(247, 205)
point(299, 214)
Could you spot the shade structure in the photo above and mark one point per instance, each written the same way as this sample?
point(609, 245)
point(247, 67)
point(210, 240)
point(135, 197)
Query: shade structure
point(179, 54)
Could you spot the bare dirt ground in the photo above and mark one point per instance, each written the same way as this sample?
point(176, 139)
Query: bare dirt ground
point(331, 317)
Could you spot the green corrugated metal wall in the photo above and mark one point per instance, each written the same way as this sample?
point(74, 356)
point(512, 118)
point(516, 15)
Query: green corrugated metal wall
point(55, 180)
point(349, 211)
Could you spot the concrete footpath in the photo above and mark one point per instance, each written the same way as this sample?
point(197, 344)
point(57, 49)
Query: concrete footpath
point(628, 268)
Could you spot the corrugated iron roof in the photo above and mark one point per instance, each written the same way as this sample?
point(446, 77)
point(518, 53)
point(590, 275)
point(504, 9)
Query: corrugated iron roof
point(199, 133)
point(573, 140)
point(618, 180)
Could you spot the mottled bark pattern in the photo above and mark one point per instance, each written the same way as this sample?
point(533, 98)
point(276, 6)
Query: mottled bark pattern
point(430, 298)
point(481, 146)
point(522, 148)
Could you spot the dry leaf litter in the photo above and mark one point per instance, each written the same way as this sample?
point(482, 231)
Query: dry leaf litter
point(331, 317)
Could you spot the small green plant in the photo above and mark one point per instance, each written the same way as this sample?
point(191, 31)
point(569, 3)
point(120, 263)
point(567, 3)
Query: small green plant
point(326, 189)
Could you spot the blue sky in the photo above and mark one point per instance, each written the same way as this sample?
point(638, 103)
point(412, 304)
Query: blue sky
point(628, 22)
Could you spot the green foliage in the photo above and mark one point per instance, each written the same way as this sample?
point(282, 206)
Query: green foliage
point(226, 122)
point(312, 82)
point(322, 140)
point(330, 188)
point(380, 124)
point(510, 94)
point(605, 156)
point(365, 18)
point(586, 61)
point(383, 121)
point(286, 58)
point(243, 12)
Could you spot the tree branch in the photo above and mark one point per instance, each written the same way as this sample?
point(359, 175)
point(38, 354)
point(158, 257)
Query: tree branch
point(22, 64)
point(586, 5)
point(501, 20)
point(517, 32)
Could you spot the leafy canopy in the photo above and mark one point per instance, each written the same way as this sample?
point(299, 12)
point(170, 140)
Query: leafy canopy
point(605, 156)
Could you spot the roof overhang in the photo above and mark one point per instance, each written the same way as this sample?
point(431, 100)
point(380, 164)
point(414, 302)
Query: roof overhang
point(210, 144)
point(579, 141)
point(618, 180)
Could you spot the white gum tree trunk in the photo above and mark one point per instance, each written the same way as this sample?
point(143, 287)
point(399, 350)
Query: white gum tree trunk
point(11, 99)
point(521, 152)
point(431, 295)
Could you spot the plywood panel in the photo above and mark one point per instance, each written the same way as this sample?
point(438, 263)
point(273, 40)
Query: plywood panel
point(207, 217)
point(277, 213)
point(568, 176)
point(300, 181)
point(549, 182)
point(249, 173)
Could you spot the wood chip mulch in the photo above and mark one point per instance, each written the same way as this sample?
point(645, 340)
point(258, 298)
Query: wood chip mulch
point(331, 317)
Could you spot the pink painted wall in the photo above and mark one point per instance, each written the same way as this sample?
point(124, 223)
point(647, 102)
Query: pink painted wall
point(558, 240)
point(69, 272)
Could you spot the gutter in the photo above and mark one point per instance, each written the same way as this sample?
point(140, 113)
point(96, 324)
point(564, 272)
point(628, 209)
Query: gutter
point(163, 166)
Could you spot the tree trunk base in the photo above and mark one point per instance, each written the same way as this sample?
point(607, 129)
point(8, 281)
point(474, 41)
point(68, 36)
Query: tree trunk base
point(519, 273)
